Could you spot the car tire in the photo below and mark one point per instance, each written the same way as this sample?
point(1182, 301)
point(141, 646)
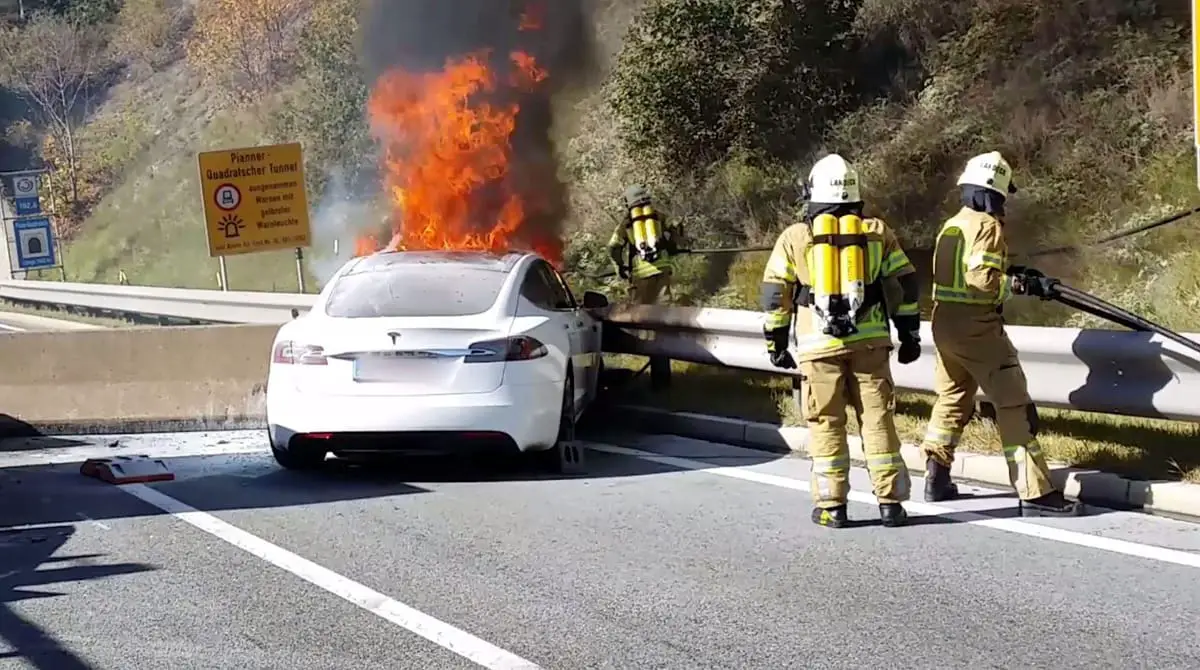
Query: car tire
point(566, 456)
point(298, 457)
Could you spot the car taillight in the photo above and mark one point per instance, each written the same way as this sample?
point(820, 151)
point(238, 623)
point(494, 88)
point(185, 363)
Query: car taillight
point(519, 348)
point(291, 353)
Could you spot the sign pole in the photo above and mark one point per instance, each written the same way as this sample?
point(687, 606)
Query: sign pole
point(223, 277)
point(300, 268)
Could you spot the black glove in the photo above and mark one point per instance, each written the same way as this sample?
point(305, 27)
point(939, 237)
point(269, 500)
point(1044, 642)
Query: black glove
point(782, 359)
point(777, 349)
point(908, 328)
point(1029, 281)
point(624, 272)
point(667, 242)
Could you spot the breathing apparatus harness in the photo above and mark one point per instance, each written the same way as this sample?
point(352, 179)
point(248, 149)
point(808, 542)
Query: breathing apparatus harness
point(839, 294)
point(646, 231)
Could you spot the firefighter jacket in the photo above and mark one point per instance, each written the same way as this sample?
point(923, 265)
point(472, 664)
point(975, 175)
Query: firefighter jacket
point(786, 284)
point(969, 263)
point(621, 248)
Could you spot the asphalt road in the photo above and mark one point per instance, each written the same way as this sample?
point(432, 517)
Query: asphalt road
point(668, 553)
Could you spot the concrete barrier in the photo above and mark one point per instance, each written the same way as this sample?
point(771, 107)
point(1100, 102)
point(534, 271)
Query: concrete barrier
point(136, 379)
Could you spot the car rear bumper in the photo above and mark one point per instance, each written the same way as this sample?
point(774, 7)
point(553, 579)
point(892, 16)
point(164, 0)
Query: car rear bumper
point(528, 415)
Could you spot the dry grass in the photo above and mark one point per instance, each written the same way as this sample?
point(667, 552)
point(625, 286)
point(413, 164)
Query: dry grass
point(1144, 448)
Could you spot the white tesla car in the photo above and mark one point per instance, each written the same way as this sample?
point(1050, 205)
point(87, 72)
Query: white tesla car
point(431, 352)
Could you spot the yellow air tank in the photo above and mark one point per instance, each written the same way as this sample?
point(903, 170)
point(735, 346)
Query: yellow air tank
point(652, 231)
point(853, 284)
point(824, 269)
point(639, 229)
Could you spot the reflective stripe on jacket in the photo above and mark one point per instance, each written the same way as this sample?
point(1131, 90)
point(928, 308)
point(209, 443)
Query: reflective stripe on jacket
point(969, 262)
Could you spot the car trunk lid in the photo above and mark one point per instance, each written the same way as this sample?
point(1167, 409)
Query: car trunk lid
point(411, 356)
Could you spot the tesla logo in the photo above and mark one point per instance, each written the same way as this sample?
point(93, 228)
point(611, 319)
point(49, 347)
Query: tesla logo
point(395, 336)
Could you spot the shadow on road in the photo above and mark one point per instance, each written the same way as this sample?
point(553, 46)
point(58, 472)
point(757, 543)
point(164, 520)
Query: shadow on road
point(22, 553)
point(17, 435)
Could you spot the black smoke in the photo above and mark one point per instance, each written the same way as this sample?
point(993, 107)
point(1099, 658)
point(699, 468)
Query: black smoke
point(420, 35)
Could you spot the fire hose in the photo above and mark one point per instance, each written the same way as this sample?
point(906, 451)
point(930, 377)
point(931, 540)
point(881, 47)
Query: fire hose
point(1157, 223)
point(1050, 288)
point(704, 252)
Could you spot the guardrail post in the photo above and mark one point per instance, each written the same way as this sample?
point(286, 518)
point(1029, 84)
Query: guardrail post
point(798, 393)
point(985, 410)
point(660, 373)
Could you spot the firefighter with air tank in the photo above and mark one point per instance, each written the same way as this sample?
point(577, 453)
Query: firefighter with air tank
point(823, 291)
point(643, 248)
point(972, 279)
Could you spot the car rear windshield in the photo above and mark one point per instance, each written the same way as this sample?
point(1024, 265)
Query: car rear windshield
point(419, 289)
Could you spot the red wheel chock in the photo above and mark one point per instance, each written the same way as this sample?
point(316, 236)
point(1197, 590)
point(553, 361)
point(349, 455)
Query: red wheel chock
point(127, 470)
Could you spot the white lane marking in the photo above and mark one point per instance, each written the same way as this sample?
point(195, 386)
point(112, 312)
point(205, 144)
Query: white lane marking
point(1154, 553)
point(5, 326)
point(92, 521)
point(440, 633)
point(65, 455)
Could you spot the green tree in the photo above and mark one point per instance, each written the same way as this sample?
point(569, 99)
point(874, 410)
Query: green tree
point(698, 78)
point(53, 63)
point(147, 32)
point(246, 47)
point(91, 12)
point(325, 110)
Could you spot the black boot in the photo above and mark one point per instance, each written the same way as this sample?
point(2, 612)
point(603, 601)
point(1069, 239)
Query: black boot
point(938, 486)
point(832, 517)
point(893, 515)
point(1051, 504)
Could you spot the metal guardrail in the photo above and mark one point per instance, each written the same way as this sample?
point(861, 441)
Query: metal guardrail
point(187, 305)
point(1113, 372)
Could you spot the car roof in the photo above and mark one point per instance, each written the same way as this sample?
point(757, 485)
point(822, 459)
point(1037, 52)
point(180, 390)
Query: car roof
point(500, 262)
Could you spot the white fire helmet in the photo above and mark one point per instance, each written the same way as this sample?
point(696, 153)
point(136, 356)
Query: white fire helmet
point(833, 180)
point(989, 171)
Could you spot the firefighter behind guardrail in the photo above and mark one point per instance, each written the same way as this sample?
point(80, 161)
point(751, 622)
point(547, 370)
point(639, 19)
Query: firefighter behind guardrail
point(970, 287)
point(834, 263)
point(644, 248)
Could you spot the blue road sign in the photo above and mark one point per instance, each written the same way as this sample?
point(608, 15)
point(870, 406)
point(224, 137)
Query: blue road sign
point(26, 206)
point(25, 194)
point(35, 243)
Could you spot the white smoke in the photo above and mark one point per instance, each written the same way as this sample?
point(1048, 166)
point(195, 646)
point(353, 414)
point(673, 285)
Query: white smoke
point(340, 218)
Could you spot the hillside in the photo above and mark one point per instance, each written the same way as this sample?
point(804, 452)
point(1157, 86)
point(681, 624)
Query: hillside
point(717, 104)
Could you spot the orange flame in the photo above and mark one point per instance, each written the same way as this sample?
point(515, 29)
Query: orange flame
point(447, 157)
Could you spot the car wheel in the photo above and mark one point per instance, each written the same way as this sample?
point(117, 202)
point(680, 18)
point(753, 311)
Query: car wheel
point(566, 456)
point(299, 457)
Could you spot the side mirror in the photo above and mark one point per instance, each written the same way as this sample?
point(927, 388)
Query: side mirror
point(594, 300)
point(295, 313)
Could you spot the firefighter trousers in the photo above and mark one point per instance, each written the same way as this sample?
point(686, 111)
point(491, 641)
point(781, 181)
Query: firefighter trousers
point(863, 380)
point(974, 354)
point(650, 291)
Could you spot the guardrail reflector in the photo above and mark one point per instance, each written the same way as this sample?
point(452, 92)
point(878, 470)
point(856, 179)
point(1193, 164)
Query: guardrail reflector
point(127, 470)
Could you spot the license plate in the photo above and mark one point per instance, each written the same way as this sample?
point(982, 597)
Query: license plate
point(391, 368)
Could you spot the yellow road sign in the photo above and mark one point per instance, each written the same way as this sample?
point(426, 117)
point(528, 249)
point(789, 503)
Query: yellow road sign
point(254, 199)
point(1196, 83)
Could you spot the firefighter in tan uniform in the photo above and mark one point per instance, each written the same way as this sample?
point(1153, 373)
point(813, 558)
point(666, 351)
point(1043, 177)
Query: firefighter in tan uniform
point(970, 286)
point(833, 264)
point(643, 247)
